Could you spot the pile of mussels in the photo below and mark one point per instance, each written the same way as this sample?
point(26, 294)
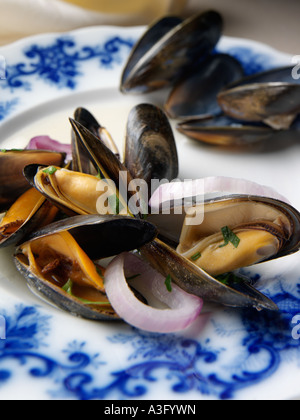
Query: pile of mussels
point(208, 91)
point(59, 233)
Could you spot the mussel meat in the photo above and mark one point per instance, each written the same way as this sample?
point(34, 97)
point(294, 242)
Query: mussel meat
point(239, 232)
point(57, 261)
point(74, 192)
point(29, 212)
point(111, 169)
point(236, 292)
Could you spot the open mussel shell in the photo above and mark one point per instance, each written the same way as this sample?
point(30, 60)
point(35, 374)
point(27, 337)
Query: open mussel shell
point(249, 210)
point(48, 266)
point(275, 75)
point(173, 54)
point(81, 158)
point(196, 93)
point(103, 236)
point(150, 151)
point(28, 213)
point(44, 180)
point(109, 166)
point(196, 281)
point(74, 192)
point(155, 32)
point(266, 229)
point(270, 96)
point(226, 132)
point(276, 103)
point(12, 181)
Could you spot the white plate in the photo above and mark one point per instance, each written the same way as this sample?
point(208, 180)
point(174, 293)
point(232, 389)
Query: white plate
point(49, 354)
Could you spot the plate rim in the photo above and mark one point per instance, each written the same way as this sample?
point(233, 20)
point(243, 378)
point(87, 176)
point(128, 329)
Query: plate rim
point(25, 41)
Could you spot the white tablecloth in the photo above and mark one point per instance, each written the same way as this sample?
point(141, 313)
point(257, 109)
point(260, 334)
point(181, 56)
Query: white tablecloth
point(20, 18)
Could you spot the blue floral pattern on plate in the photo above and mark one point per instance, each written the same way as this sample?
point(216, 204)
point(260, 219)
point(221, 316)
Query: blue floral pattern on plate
point(186, 363)
point(59, 63)
point(237, 351)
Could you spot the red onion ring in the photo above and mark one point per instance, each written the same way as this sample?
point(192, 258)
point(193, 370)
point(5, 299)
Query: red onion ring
point(210, 185)
point(183, 309)
point(46, 143)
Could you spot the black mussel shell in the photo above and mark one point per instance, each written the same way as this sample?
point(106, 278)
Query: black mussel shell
point(12, 181)
point(103, 236)
point(196, 94)
point(226, 132)
point(174, 54)
point(150, 151)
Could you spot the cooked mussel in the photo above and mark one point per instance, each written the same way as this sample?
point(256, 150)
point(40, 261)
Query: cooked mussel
point(150, 151)
point(226, 132)
point(276, 104)
point(81, 159)
point(29, 212)
point(74, 192)
point(57, 261)
point(236, 232)
point(195, 95)
point(111, 169)
point(271, 97)
point(12, 162)
point(236, 292)
point(154, 33)
point(172, 53)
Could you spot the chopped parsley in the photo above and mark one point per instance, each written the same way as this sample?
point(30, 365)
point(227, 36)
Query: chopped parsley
point(168, 283)
point(196, 256)
point(230, 279)
point(229, 236)
point(68, 288)
point(50, 171)
point(99, 176)
point(115, 204)
point(11, 150)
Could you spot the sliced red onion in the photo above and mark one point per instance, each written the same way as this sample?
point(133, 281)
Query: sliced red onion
point(179, 311)
point(46, 143)
point(210, 185)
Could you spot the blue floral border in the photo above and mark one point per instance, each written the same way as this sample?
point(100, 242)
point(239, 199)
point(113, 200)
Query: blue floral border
point(59, 65)
point(183, 361)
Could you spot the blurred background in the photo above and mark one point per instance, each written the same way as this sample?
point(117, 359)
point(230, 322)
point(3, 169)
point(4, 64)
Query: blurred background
point(274, 22)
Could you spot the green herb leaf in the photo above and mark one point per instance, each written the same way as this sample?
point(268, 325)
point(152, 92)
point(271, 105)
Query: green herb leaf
point(115, 204)
point(68, 289)
point(196, 257)
point(99, 176)
point(229, 236)
point(11, 150)
point(50, 171)
point(231, 278)
point(168, 283)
